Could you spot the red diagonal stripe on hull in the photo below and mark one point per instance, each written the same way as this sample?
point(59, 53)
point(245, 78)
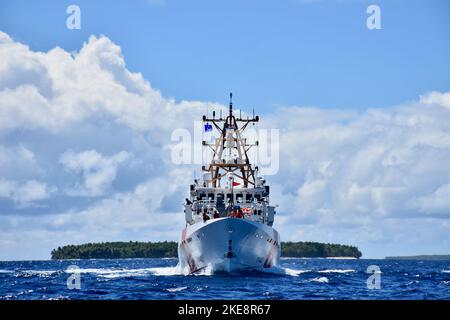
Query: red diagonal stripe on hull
point(267, 261)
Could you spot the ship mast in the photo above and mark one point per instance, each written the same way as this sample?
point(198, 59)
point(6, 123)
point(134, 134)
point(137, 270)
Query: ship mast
point(230, 151)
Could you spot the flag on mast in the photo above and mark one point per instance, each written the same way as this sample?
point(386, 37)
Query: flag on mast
point(208, 127)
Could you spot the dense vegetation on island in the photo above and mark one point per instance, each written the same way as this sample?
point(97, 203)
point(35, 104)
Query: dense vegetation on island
point(117, 250)
point(120, 250)
point(316, 249)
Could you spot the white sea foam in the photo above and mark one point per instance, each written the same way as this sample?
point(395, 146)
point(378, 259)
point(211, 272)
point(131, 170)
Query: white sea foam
point(294, 272)
point(320, 280)
point(60, 297)
point(166, 271)
point(6, 271)
point(93, 270)
point(446, 271)
point(123, 273)
point(283, 271)
point(25, 292)
point(176, 289)
point(40, 273)
point(336, 271)
point(206, 271)
point(209, 270)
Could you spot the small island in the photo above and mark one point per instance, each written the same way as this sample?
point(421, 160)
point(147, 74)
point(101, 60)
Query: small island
point(168, 249)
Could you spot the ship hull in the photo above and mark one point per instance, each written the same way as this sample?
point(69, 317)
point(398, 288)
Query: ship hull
point(227, 245)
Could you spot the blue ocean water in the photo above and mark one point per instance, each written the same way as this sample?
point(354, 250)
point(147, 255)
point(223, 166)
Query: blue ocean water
point(160, 279)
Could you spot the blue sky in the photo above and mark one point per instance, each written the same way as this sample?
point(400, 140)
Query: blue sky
point(315, 53)
point(86, 117)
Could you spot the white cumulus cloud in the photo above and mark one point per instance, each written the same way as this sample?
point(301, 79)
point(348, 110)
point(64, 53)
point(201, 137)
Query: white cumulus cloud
point(25, 194)
point(84, 124)
point(98, 172)
point(57, 89)
point(438, 98)
point(359, 168)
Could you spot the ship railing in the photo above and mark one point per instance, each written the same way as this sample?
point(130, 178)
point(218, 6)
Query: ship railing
point(206, 202)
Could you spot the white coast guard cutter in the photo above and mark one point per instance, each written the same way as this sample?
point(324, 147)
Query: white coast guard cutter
point(228, 216)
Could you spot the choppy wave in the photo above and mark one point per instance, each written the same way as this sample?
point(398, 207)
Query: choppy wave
point(6, 271)
point(166, 271)
point(41, 272)
point(294, 272)
point(336, 271)
point(111, 273)
point(320, 280)
point(172, 271)
point(297, 272)
point(163, 279)
point(34, 273)
point(176, 289)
